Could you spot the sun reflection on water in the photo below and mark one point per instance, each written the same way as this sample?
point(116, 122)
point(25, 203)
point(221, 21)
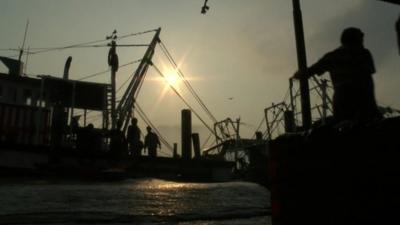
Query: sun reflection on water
point(141, 199)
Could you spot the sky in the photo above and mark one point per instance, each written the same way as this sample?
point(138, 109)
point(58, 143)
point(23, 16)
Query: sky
point(238, 57)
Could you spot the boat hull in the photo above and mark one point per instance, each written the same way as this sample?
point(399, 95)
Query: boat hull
point(346, 175)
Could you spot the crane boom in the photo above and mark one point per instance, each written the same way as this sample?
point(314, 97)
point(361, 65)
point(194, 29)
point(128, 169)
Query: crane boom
point(126, 104)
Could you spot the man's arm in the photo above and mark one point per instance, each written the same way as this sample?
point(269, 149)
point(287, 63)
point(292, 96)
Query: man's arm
point(318, 68)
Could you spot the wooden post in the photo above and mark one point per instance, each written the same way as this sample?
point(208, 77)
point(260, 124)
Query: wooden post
point(186, 134)
point(196, 145)
point(175, 151)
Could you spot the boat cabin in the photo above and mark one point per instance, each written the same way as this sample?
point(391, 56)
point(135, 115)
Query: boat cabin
point(34, 110)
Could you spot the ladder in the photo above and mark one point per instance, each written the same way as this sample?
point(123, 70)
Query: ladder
point(107, 108)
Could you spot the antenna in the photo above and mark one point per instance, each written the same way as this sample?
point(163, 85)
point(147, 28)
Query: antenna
point(21, 51)
point(26, 61)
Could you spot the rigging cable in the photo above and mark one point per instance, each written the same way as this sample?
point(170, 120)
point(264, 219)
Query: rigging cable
point(124, 83)
point(258, 127)
point(40, 50)
point(186, 82)
point(117, 91)
point(263, 119)
point(149, 123)
point(181, 97)
point(206, 141)
point(86, 43)
point(188, 85)
point(105, 71)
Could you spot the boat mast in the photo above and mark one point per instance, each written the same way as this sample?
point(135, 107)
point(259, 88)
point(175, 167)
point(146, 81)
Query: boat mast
point(21, 51)
point(302, 65)
point(113, 63)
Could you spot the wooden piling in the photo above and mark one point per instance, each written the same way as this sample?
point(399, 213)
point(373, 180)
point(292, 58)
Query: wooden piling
point(176, 151)
point(196, 145)
point(186, 134)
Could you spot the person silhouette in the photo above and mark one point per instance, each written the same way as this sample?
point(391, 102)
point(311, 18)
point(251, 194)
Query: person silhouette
point(118, 143)
point(151, 142)
point(351, 67)
point(133, 136)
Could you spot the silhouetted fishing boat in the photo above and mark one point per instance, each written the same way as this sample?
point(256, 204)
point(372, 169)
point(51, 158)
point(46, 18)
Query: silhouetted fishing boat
point(39, 134)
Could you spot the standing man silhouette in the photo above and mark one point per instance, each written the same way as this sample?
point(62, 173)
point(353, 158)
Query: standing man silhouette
point(151, 142)
point(133, 136)
point(351, 67)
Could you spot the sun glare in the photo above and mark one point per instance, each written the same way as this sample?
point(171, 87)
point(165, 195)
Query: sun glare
point(172, 78)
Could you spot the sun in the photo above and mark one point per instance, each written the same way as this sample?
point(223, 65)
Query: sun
point(172, 78)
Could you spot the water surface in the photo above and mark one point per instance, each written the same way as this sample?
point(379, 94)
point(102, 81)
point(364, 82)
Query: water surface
point(141, 201)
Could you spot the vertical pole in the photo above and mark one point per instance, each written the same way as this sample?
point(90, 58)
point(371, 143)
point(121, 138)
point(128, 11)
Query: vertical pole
point(39, 113)
point(196, 145)
point(113, 63)
point(237, 142)
point(73, 100)
point(186, 134)
point(66, 77)
point(291, 96)
point(21, 51)
point(113, 112)
point(302, 65)
point(267, 123)
point(175, 150)
point(106, 115)
point(66, 68)
point(25, 70)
